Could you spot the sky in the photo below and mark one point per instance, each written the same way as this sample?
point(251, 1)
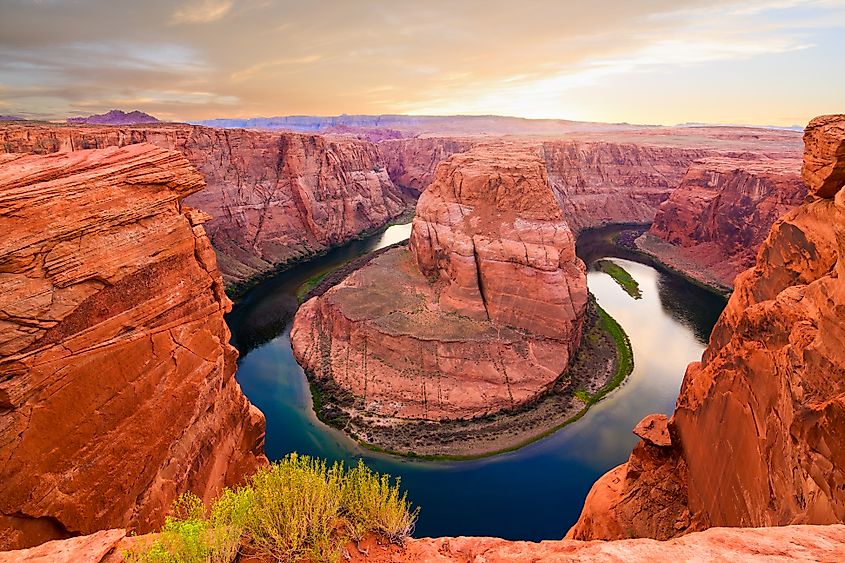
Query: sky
point(767, 62)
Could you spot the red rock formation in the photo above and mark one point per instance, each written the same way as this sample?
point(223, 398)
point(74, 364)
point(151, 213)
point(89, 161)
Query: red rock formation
point(598, 183)
point(758, 435)
point(801, 543)
point(274, 197)
point(720, 214)
point(483, 314)
point(117, 390)
point(411, 162)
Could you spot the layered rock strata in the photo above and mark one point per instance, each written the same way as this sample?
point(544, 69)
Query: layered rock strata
point(758, 434)
point(482, 313)
point(599, 183)
point(117, 388)
point(274, 197)
point(411, 162)
point(720, 214)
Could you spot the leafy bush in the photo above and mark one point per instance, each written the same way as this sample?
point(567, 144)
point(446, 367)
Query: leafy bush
point(298, 508)
point(372, 504)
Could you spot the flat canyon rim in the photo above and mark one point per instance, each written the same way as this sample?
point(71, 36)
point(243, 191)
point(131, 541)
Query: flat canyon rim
point(533, 493)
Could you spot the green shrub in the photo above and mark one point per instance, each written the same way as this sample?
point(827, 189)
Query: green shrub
point(372, 504)
point(298, 508)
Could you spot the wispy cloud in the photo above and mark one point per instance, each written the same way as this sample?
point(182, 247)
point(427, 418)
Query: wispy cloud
point(261, 67)
point(201, 11)
point(601, 60)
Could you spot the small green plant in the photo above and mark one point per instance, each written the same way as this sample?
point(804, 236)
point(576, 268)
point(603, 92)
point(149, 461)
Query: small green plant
point(583, 396)
point(373, 504)
point(622, 277)
point(299, 508)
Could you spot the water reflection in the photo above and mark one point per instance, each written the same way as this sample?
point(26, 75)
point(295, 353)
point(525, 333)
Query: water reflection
point(268, 308)
point(536, 492)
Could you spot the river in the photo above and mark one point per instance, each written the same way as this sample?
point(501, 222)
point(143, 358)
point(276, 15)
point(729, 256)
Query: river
point(533, 493)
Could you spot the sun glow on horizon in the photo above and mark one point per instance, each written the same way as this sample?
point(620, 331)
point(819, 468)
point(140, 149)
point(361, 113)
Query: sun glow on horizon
point(659, 61)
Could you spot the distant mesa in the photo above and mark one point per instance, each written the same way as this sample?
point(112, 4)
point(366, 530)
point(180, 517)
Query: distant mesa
point(11, 118)
point(115, 117)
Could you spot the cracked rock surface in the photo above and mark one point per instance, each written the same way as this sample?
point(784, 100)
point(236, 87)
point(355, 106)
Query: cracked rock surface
point(117, 389)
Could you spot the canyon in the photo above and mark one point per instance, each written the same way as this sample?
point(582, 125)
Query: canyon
point(754, 439)
point(117, 388)
point(278, 197)
point(720, 213)
point(482, 312)
point(274, 198)
point(113, 316)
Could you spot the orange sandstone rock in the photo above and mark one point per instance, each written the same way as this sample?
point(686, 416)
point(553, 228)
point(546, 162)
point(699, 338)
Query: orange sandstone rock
point(274, 197)
point(602, 182)
point(117, 387)
point(787, 543)
point(760, 422)
point(721, 213)
point(484, 312)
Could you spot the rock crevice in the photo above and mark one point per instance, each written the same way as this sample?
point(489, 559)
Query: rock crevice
point(113, 336)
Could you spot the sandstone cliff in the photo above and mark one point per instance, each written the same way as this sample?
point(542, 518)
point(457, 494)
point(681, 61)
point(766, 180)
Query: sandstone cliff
point(713, 223)
point(411, 162)
point(117, 387)
point(598, 183)
point(274, 197)
point(788, 543)
point(484, 312)
point(758, 435)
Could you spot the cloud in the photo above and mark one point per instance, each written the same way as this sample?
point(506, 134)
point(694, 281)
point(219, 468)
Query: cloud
point(202, 11)
point(538, 58)
point(259, 68)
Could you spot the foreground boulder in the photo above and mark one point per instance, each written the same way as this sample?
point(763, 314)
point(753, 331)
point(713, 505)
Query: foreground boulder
point(712, 225)
point(483, 313)
point(117, 388)
point(788, 543)
point(758, 435)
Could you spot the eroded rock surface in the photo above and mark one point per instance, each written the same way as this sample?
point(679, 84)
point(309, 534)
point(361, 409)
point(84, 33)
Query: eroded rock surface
point(117, 388)
point(769, 545)
point(760, 422)
point(411, 162)
point(483, 313)
point(720, 214)
point(274, 197)
point(599, 183)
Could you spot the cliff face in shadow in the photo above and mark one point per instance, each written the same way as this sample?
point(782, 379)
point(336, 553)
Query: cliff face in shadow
point(758, 432)
point(117, 388)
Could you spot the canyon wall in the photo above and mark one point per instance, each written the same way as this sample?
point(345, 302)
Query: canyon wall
point(411, 162)
point(599, 183)
point(712, 225)
point(483, 312)
point(117, 388)
point(758, 434)
point(274, 197)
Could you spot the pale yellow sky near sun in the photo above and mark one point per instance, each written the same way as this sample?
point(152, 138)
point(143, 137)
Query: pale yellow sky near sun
point(654, 61)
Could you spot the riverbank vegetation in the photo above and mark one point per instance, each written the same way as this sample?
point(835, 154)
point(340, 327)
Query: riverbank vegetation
point(299, 508)
point(621, 276)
